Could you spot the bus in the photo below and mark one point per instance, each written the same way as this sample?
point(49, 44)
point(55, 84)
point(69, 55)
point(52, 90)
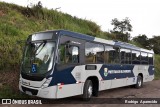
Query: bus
point(60, 63)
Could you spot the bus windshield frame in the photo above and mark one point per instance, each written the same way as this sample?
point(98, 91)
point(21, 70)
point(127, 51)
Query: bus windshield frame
point(40, 47)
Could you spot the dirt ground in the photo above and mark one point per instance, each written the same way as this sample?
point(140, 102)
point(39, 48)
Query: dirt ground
point(149, 90)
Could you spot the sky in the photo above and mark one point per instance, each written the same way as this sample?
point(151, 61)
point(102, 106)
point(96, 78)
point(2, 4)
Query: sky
point(144, 14)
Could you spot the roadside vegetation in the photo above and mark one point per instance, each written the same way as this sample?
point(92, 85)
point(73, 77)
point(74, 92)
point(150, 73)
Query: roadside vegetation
point(17, 22)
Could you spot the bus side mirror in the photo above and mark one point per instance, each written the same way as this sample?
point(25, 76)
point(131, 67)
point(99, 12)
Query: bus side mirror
point(75, 50)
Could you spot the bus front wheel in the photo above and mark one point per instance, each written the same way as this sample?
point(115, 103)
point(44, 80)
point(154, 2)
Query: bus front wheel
point(88, 90)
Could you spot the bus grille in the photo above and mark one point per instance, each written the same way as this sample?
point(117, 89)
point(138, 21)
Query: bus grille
point(33, 91)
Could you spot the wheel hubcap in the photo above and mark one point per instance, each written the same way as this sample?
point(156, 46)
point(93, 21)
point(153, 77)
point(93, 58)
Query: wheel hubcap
point(139, 83)
point(90, 91)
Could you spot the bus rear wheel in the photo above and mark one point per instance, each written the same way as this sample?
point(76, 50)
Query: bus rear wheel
point(88, 90)
point(139, 82)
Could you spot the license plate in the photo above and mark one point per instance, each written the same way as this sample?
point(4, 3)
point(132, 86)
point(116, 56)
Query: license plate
point(28, 92)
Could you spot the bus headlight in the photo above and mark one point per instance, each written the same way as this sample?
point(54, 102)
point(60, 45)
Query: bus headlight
point(46, 83)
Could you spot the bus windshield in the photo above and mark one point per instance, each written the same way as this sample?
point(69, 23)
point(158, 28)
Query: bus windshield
point(38, 57)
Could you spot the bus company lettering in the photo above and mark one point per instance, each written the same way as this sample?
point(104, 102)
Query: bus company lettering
point(105, 72)
point(118, 71)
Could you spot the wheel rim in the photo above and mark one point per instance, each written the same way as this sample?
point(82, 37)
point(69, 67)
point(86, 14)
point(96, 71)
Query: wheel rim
point(90, 90)
point(139, 83)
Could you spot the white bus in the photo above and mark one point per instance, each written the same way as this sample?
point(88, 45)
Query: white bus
point(58, 64)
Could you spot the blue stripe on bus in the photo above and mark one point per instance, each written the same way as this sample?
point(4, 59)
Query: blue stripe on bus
point(151, 70)
point(64, 76)
point(116, 75)
point(77, 35)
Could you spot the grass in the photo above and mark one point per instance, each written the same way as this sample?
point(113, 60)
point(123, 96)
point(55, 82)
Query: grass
point(157, 67)
point(18, 22)
point(7, 92)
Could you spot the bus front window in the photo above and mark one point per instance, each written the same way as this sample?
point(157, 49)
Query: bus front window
point(38, 57)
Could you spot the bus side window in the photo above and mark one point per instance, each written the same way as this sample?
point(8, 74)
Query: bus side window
point(75, 54)
point(108, 54)
point(62, 54)
point(111, 55)
point(136, 57)
point(90, 54)
point(144, 58)
point(150, 57)
point(68, 54)
point(94, 53)
point(125, 56)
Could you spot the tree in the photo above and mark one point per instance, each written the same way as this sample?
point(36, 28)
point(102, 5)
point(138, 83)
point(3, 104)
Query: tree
point(39, 4)
point(142, 40)
point(149, 43)
point(38, 10)
point(154, 43)
point(121, 29)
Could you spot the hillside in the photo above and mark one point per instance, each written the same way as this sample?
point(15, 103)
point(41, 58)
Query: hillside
point(17, 22)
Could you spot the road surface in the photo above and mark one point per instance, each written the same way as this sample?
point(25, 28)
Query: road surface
point(149, 90)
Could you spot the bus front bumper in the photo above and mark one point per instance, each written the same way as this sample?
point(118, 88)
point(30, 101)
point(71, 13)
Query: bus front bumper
point(49, 92)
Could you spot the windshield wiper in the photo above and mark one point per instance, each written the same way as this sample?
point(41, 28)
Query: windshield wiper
point(43, 43)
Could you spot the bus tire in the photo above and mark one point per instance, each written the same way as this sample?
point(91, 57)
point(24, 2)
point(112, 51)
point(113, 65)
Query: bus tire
point(87, 90)
point(139, 82)
point(95, 90)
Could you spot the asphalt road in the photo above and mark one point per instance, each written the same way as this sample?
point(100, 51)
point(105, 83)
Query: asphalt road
point(149, 90)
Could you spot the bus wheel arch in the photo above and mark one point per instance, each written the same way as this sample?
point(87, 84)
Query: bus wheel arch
point(95, 84)
point(140, 74)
